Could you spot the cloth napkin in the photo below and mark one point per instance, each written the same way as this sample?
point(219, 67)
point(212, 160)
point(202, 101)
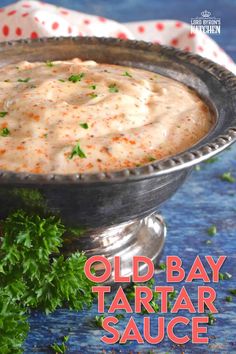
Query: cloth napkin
point(33, 19)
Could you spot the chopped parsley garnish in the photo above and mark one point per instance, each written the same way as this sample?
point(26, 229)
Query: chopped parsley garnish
point(60, 348)
point(84, 125)
point(24, 80)
point(77, 151)
point(228, 298)
point(211, 319)
point(126, 73)
point(232, 292)
point(227, 176)
point(212, 230)
point(208, 242)
point(99, 320)
point(61, 80)
point(76, 78)
point(113, 88)
point(93, 95)
point(93, 87)
point(49, 63)
point(4, 132)
point(212, 159)
point(225, 276)
point(162, 266)
point(31, 276)
point(3, 114)
point(151, 158)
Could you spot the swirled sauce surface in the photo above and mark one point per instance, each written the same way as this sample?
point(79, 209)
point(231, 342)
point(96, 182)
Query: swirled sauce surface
point(74, 116)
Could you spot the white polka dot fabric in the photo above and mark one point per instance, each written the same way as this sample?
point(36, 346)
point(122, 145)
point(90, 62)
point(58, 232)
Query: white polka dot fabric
point(33, 19)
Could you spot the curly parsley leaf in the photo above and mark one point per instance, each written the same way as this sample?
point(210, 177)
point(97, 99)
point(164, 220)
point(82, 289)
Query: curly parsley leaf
point(13, 324)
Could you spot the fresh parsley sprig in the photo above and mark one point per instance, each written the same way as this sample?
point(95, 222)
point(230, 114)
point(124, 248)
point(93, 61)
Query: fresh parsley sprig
point(33, 275)
point(13, 324)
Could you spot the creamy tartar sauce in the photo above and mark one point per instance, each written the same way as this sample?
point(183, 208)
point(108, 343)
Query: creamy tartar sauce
point(80, 116)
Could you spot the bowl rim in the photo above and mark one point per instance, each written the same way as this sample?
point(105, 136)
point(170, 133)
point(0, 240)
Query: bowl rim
point(185, 159)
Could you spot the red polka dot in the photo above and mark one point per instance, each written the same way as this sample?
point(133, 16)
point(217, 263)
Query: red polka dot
point(25, 14)
point(36, 19)
point(191, 35)
point(141, 29)
point(86, 22)
point(200, 48)
point(26, 5)
point(178, 24)
point(174, 41)
point(159, 26)
point(13, 12)
point(121, 35)
point(69, 29)
point(55, 25)
point(18, 31)
point(5, 30)
point(102, 19)
point(64, 12)
point(156, 42)
point(34, 35)
point(187, 49)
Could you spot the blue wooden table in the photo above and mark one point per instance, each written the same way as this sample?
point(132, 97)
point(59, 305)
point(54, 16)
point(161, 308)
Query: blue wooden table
point(203, 200)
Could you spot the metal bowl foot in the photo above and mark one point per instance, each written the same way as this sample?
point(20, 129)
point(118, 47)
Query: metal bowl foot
point(143, 237)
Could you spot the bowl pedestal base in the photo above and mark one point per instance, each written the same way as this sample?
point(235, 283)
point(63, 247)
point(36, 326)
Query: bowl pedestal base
point(137, 237)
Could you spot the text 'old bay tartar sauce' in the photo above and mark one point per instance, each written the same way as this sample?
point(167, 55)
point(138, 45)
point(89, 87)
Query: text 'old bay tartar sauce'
point(74, 116)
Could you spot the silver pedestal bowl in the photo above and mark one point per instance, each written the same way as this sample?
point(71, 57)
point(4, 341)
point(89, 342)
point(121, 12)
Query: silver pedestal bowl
point(118, 209)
